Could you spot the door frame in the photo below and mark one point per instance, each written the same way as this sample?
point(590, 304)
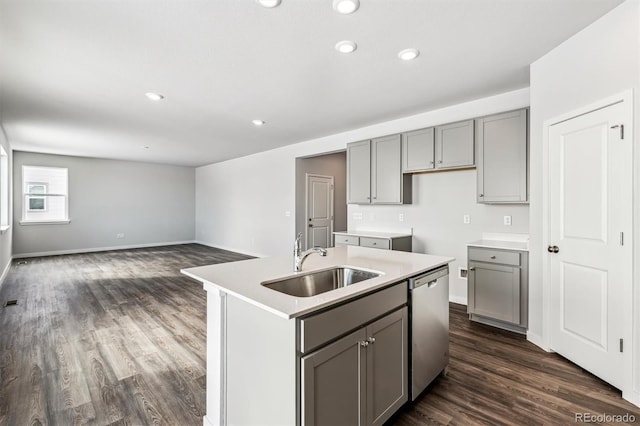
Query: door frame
point(626, 98)
point(306, 207)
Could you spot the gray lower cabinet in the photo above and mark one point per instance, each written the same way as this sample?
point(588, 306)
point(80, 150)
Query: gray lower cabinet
point(374, 172)
point(360, 379)
point(454, 145)
point(497, 287)
point(395, 242)
point(502, 166)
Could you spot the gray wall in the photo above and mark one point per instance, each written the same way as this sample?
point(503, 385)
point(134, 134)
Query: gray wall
point(6, 236)
point(328, 165)
point(149, 203)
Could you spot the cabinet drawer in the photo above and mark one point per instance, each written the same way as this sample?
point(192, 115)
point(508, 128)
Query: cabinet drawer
point(494, 256)
point(381, 243)
point(349, 240)
point(328, 325)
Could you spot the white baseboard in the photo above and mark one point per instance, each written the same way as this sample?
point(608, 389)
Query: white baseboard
point(205, 420)
point(230, 249)
point(632, 396)
point(538, 341)
point(95, 249)
point(6, 270)
point(458, 299)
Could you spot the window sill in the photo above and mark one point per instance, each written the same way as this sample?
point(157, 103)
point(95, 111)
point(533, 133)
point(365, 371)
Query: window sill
point(47, 222)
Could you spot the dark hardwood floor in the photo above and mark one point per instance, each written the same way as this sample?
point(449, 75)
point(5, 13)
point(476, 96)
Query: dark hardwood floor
point(118, 338)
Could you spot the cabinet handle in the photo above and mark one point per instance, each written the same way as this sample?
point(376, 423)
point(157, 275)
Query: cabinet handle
point(432, 163)
point(375, 198)
point(440, 162)
point(493, 257)
point(364, 343)
point(371, 340)
point(553, 249)
point(472, 269)
point(481, 195)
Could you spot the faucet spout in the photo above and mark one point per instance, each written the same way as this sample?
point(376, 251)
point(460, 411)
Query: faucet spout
point(299, 256)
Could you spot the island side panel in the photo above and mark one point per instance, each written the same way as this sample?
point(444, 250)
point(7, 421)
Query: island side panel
point(260, 366)
point(216, 301)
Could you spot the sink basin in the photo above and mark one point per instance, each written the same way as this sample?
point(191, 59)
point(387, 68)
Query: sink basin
point(320, 281)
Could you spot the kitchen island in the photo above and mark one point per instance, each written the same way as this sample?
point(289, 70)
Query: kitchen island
point(264, 347)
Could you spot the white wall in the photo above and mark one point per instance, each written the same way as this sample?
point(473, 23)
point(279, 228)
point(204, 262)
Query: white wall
point(6, 237)
point(149, 203)
point(600, 61)
point(241, 203)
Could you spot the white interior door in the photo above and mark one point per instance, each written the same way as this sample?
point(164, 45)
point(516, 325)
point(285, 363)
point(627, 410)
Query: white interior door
point(319, 221)
point(590, 230)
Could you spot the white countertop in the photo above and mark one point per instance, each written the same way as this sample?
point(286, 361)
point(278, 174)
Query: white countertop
point(372, 234)
point(501, 244)
point(243, 279)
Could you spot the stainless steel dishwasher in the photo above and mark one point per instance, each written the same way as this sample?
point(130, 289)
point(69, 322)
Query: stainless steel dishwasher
point(429, 322)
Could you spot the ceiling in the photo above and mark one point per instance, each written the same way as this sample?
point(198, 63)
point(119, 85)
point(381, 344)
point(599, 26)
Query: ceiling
point(73, 74)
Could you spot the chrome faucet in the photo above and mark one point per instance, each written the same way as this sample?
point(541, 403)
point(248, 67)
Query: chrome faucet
point(299, 256)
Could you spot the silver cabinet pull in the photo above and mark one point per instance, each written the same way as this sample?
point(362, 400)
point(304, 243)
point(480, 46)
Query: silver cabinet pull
point(364, 343)
point(371, 340)
point(553, 249)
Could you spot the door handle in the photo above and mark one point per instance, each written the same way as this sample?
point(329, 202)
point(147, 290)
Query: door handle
point(310, 226)
point(553, 249)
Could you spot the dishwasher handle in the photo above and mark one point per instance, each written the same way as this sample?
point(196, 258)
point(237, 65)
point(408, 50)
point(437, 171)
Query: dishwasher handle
point(430, 279)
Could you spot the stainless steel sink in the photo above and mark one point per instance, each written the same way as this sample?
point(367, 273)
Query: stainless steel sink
point(320, 281)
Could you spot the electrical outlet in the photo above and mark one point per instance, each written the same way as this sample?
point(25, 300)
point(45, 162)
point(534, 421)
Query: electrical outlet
point(120, 235)
point(462, 273)
point(357, 216)
point(400, 217)
point(507, 220)
point(287, 213)
point(466, 219)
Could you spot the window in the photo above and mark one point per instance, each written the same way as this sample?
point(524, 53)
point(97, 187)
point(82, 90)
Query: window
point(4, 189)
point(36, 202)
point(45, 195)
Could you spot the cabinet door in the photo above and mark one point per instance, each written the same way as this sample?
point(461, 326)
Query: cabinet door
point(494, 291)
point(454, 145)
point(359, 172)
point(333, 383)
point(502, 157)
point(418, 150)
point(387, 373)
point(386, 173)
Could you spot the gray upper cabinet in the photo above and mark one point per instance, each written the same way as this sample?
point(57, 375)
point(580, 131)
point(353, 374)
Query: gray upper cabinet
point(502, 167)
point(454, 145)
point(374, 172)
point(359, 172)
point(418, 150)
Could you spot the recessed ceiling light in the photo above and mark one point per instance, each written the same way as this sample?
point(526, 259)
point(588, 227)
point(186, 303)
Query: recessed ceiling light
point(258, 122)
point(346, 46)
point(154, 96)
point(346, 6)
point(408, 54)
point(268, 3)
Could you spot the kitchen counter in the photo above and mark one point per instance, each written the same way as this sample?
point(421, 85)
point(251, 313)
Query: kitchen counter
point(372, 234)
point(501, 244)
point(243, 279)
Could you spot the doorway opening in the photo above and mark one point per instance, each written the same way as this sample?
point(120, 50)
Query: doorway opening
point(329, 165)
